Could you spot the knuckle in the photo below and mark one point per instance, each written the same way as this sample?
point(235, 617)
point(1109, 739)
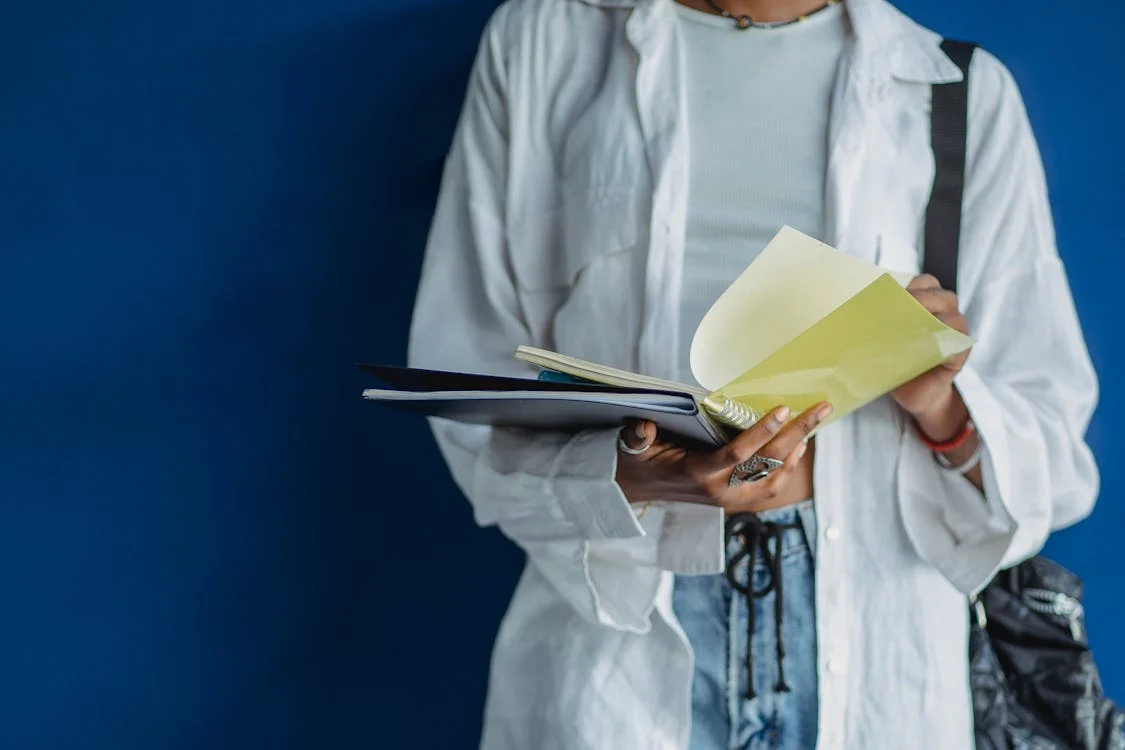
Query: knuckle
point(769, 427)
point(728, 456)
point(923, 282)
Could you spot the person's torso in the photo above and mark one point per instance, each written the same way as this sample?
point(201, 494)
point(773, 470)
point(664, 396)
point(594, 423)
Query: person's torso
point(598, 227)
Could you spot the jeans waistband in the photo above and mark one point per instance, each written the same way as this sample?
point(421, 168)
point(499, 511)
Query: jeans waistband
point(798, 534)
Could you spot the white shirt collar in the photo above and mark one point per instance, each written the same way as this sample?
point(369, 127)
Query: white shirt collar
point(902, 48)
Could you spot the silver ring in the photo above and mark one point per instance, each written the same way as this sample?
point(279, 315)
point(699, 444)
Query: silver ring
point(631, 451)
point(754, 469)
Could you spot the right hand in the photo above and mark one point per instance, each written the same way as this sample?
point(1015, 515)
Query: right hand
point(666, 471)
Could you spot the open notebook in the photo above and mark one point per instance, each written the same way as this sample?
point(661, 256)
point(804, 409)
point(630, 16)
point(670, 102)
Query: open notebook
point(804, 323)
point(547, 403)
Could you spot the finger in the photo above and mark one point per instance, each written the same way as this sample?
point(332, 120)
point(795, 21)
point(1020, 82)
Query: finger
point(955, 363)
point(750, 496)
point(639, 436)
point(925, 281)
point(797, 431)
point(936, 300)
point(748, 442)
point(956, 321)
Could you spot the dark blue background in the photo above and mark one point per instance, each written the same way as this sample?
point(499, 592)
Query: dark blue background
point(208, 212)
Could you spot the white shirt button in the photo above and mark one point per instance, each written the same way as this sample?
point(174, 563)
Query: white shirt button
point(834, 667)
point(832, 533)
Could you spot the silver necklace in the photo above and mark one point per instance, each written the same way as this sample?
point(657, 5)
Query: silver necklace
point(744, 22)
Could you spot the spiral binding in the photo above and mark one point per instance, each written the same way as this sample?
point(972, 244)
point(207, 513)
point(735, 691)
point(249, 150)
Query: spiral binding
point(730, 412)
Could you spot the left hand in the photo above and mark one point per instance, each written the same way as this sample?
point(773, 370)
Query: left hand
point(930, 397)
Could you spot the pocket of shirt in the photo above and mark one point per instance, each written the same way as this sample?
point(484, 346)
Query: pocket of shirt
point(550, 250)
point(598, 201)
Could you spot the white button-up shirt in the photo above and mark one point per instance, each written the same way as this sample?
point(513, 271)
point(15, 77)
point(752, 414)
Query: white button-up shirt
point(561, 224)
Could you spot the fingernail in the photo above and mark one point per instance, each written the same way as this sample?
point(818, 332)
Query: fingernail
point(639, 429)
point(824, 412)
point(782, 414)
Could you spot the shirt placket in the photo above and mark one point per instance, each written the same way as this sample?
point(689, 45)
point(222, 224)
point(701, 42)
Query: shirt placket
point(659, 96)
point(660, 103)
point(843, 213)
point(661, 107)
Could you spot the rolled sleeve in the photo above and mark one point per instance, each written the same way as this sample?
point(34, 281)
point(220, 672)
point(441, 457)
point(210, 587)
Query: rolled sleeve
point(624, 577)
point(605, 556)
point(1029, 384)
point(1030, 390)
point(690, 536)
point(966, 535)
point(588, 492)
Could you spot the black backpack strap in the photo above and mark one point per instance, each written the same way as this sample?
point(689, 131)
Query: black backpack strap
point(949, 128)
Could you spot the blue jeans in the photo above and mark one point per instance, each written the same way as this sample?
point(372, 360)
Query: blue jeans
point(747, 693)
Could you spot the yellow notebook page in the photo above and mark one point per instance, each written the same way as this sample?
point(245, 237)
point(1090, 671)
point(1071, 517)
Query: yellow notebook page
point(869, 345)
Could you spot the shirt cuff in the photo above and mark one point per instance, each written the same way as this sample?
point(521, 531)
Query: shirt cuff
point(583, 479)
point(965, 534)
point(1023, 514)
point(692, 540)
point(688, 540)
point(629, 547)
point(624, 576)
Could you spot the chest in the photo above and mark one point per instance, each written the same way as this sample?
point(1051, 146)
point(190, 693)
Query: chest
point(604, 167)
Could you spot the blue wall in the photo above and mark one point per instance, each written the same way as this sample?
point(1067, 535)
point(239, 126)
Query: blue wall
point(208, 212)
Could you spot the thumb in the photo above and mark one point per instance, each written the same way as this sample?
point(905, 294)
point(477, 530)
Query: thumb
point(925, 282)
point(639, 436)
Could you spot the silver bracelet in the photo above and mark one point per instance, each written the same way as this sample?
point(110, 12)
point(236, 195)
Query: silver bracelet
point(965, 466)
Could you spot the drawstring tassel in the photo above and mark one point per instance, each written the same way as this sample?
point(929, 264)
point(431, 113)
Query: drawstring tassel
point(754, 535)
point(782, 686)
point(751, 694)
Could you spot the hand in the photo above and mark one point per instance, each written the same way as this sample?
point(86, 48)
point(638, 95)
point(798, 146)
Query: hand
point(931, 397)
point(666, 471)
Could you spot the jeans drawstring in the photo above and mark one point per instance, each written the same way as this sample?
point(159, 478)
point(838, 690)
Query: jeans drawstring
point(753, 535)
